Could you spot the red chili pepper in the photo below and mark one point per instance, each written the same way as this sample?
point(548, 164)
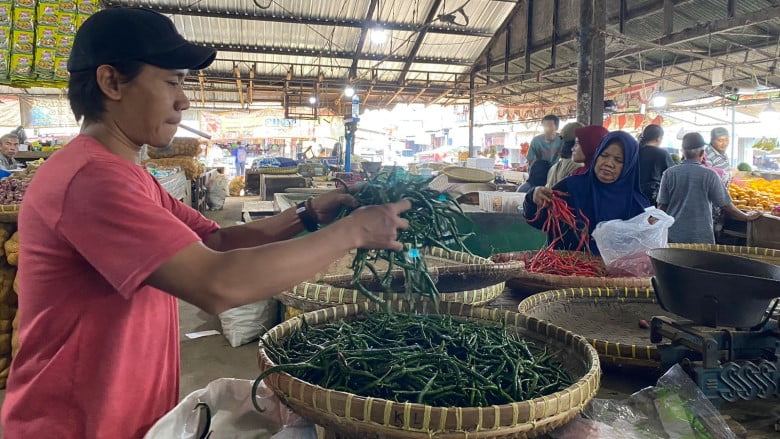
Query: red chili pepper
point(550, 261)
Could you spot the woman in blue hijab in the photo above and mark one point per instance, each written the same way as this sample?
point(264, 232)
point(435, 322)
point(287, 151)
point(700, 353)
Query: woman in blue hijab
point(609, 190)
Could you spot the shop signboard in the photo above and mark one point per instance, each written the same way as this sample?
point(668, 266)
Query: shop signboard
point(39, 112)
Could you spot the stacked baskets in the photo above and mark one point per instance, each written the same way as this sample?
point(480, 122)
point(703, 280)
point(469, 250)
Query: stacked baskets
point(467, 279)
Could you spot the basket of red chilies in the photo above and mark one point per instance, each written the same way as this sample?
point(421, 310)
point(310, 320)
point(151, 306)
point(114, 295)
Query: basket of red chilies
point(551, 269)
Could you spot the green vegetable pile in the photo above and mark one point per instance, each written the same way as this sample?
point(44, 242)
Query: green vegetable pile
point(432, 360)
point(432, 223)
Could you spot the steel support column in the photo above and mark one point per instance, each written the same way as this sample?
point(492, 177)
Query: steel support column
point(591, 63)
point(472, 148)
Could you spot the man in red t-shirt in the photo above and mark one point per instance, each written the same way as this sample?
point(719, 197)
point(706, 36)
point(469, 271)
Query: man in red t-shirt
point(105, 251)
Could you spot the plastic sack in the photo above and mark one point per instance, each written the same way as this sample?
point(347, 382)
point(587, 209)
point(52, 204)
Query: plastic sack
point(624, 244)
point(673, 408)
point(225, 409)
point(217, 192)
point(246, 323)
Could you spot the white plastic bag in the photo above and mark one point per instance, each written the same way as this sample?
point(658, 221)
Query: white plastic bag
point(231, 415)
point(217, 191)
point(246, 323)
point(673, 408)
point(624, 244)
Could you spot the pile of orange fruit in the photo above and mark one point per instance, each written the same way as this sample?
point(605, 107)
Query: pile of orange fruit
point(755, 194)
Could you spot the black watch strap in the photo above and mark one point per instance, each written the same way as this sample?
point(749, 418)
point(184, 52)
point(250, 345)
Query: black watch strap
point(305, 214)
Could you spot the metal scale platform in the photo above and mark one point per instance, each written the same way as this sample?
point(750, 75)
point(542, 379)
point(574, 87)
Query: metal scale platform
point(728, 339)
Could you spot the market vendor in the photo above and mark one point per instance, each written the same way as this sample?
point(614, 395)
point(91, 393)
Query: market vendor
point(689, 191)
point(9, 146)
point(715, 153)
point(106, 251)
point(608, 191)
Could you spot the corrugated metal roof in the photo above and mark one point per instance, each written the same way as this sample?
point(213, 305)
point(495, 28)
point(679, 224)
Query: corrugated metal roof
point(266, 34)
point(466, 47)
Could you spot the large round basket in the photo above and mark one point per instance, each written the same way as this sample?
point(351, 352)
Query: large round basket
point(9, 213)
point(467, 175)
point(349, 415)
point(311, 297)
point(452, 271)
point(607, 318)
point(767, 255)
point(528, 282)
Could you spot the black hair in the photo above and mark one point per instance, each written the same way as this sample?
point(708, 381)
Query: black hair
point(567, 150)
point(87, 99)
point(651, 132)
point(553, 118)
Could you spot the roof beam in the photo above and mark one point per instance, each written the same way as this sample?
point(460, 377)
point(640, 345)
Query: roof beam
point(197, 11)
point(497, 36)
point(663, 43)
point(418, 42)
point(362, 39)
point(612, 19)
point(339, 54)
point(648, 69)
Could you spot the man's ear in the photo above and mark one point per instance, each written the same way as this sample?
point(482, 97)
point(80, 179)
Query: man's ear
point(109, 79)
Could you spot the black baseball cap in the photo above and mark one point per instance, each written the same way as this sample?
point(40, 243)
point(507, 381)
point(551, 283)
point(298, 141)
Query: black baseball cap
point(693, 141)
point(124, 34)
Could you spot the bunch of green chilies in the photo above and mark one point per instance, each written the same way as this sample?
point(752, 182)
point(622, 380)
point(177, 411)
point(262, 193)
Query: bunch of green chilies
point(432, 223)
point(432, 360)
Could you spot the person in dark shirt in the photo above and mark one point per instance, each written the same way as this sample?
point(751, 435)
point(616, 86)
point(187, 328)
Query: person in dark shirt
point(653, 161)
point(537, 176)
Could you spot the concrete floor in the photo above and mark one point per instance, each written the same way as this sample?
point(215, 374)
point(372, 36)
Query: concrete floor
point(206, 359)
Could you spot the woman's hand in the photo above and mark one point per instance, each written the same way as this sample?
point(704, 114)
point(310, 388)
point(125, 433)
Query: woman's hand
point(542, 195)
point(376, 227)
point(328, 205)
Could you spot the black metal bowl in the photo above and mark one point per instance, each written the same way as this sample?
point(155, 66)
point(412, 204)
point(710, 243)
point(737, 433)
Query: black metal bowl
point(714, 289)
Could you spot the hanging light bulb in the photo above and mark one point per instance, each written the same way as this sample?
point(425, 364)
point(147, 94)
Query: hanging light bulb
point(659, 101)
point(312, 100)
point(349, 92)
point(378, 35)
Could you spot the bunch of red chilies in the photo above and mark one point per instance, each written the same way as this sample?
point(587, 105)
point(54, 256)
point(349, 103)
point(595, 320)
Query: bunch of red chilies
point(550, 261)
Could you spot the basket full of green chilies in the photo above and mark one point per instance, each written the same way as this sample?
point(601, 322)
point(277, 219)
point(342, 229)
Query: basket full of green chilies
point(434, 231)
point(418, 371)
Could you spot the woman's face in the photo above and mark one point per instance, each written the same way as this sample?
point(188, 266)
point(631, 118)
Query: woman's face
point(577, 156)
point(609, 164)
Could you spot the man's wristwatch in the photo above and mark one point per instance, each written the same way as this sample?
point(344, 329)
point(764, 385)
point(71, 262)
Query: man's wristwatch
point(306, 215)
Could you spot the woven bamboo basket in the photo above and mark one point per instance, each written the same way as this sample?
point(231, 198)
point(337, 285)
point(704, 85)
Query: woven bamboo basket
point(537, 282)
point(9, 213)
point(467, 175)
point(274, 171)
point(311, 297)
point(767, 255)
point(608, 318)
point(452, 271)
point(349, 415)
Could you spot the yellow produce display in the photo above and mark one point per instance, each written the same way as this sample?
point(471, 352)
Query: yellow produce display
point(756, 194)
point(12, 249)
point(236, 186)
point(191, 167)
point(179, 147)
